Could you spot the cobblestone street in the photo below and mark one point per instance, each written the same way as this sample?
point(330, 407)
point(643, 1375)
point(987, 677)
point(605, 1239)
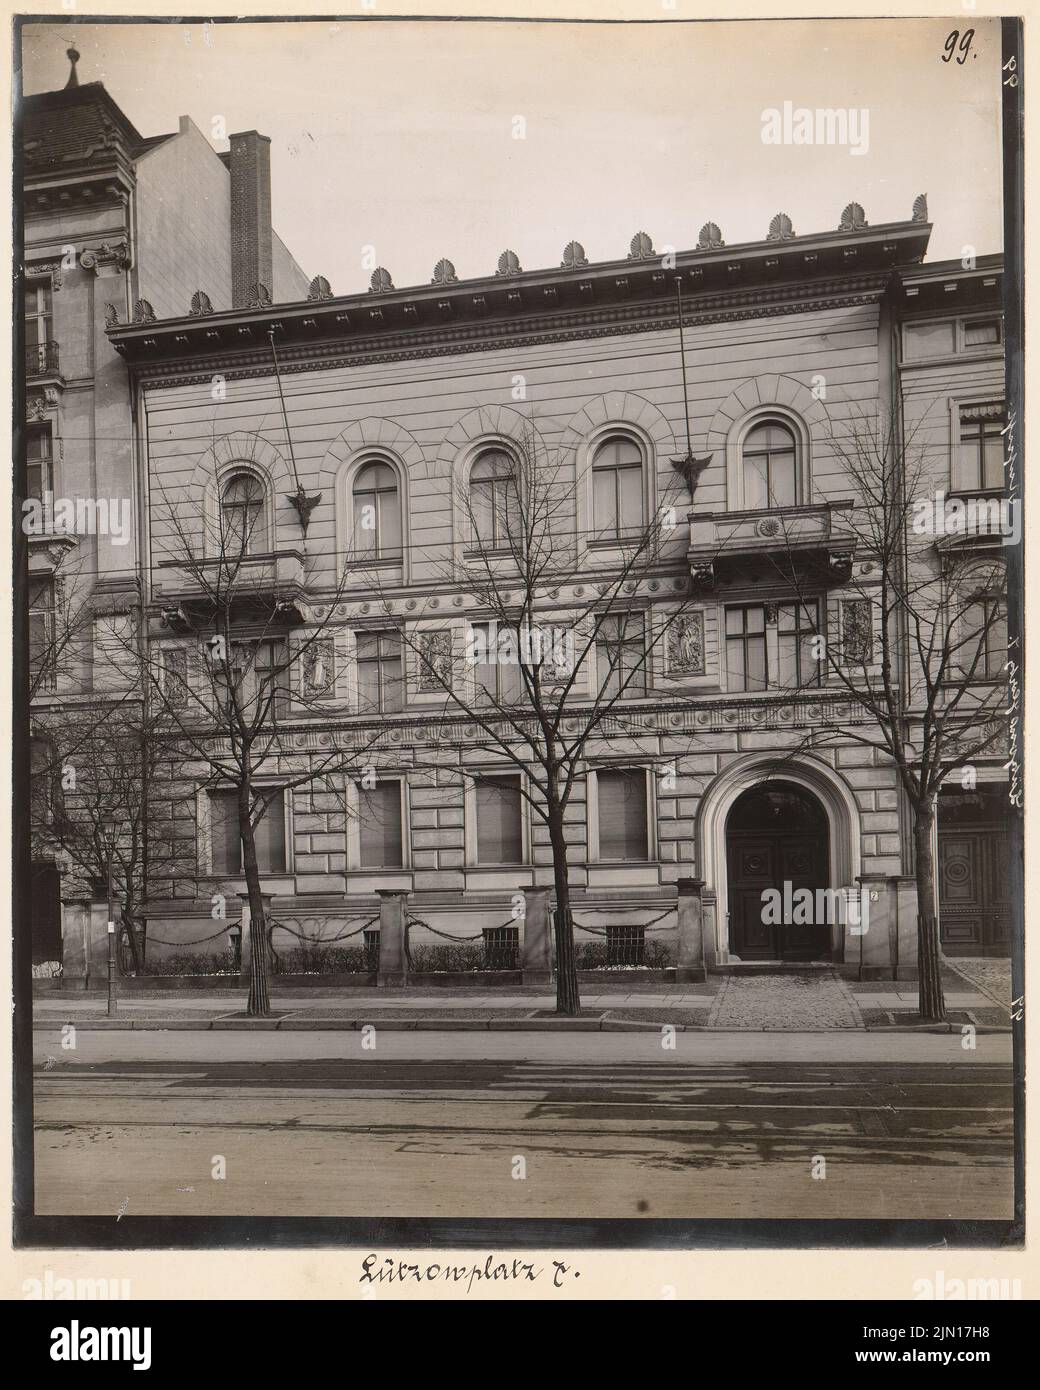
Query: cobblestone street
point(785, 1003)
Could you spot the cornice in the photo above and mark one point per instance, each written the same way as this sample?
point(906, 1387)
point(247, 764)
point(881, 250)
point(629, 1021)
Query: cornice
point(536, 330)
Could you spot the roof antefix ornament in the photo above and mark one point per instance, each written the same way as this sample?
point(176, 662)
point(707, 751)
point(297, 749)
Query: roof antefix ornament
point(201, 304)
point(853, 219)
point(641, 248)
point(920, 213)
point(508, 264)
point(319, 288)
point(444, 274)
point(709, 238)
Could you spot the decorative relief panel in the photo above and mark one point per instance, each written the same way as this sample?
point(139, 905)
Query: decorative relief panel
point(686, 645)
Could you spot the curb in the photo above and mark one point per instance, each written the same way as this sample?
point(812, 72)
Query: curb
point(455, 1025)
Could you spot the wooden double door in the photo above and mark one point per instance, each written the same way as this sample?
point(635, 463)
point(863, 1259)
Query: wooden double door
point(974, 905)
point(776, 839)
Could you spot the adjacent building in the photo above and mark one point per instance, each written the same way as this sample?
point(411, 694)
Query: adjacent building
point(117, 227)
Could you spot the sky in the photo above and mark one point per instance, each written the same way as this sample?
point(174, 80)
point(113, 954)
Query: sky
point(402, 136)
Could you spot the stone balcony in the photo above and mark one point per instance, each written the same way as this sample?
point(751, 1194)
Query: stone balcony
point(266, 586)
point(815, 541)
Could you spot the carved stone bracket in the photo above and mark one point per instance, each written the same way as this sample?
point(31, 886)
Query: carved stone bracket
point(702, 575)
point(107, 256)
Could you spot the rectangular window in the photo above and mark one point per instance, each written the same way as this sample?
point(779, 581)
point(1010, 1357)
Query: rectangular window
point(621, 801)
point(42, 653)
point(797, 627)
point(271, 677)
point(921, 340)
point(621, 655)
point(37, 324)
point(500, 821)
point(984, 636)
point(379, 817)
point(625, 945)
point(371, 948)
point(981, 332)
point(226, 839)
point(501, 947)
point(979, 464)
point(497, 672)
point(380, 673)
point(38, 462)
point(747, 667)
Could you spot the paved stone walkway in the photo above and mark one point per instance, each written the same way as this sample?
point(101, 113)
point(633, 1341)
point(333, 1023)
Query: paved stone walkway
point(992, 975)
point(814, 1003)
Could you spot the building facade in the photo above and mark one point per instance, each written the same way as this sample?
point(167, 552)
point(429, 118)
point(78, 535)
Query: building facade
point(735, 762)
point(116, 227)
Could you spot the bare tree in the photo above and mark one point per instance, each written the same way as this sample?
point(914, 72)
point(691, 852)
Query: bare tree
point(259, 655)
point(93, 762)
point(544, 676)
point(921, 638)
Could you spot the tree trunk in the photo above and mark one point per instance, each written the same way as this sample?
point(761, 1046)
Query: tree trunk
point(259, 1002)
point(567, 999)
point(931, 1003)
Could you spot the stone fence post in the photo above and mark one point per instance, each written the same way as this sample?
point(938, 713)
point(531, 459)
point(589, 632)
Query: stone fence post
point(393, 937)
point(537, 943)
point(690, 957)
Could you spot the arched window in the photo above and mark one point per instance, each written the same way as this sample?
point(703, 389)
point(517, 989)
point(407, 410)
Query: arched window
point(770, 461)
point(494, 500)
point(377, 512)
point(617, 488)
point(242, 527)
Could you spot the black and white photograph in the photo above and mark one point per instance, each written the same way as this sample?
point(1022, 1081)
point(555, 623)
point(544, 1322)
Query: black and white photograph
point(518, 665)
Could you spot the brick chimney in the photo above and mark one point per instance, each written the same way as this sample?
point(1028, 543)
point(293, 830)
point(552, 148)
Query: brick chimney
point(251, 262)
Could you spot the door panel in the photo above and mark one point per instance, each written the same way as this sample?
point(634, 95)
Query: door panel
point(758, 863)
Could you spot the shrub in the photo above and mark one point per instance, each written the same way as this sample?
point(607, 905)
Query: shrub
point(597, 955)
point(325, 960)
point(194, 963)
point(456, 958)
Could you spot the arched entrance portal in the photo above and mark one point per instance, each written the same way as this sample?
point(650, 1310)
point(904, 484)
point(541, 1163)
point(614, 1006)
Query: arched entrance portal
point(777, 837)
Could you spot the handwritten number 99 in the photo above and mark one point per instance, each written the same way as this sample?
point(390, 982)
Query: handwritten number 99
point(951, 46)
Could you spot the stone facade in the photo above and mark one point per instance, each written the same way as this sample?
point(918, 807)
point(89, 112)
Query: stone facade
point(793, 333)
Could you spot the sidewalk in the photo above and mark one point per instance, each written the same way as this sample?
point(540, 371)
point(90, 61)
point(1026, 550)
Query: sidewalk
point(755, 1004)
